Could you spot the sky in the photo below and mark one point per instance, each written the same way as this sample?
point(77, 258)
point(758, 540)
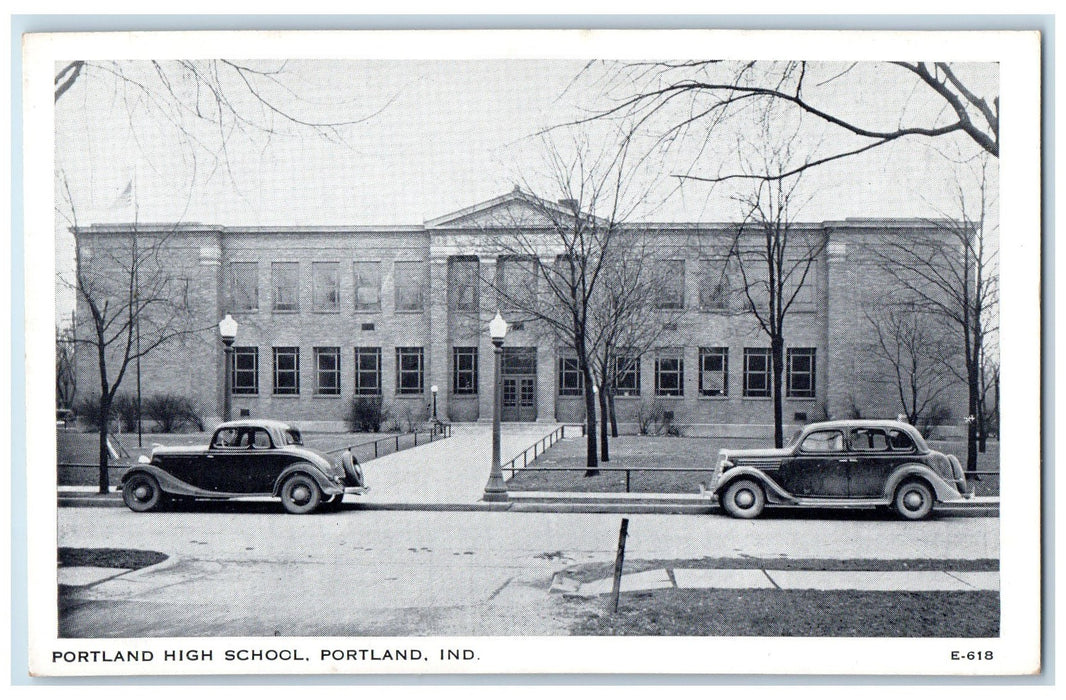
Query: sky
point(433, 137)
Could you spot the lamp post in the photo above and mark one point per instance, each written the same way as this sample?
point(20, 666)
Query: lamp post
point(496, 489)
point(227, 331)
point(433, 390)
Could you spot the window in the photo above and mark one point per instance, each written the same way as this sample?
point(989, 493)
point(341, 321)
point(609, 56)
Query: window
point(244, 375)
point(627, 374)
point(714, 371)
point(410, 282)
point(719, 285)
point(800, 369)
point(367, 371)
point(823, 441)
point(516, 282)
point(244, 286)
point(285, 283)
point(463, 283)
point(670, 277)
point(757, 372)
point(368, 286)
point(464, 371)
point(868, 440)
point(286, 371)
point(571, 380)
point(325, 286)
point(899, 441)
point(409, 370)
point(670, 373)
point(327, 371)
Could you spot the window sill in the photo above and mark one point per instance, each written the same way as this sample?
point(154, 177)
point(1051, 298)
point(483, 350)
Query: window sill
point(368, 311)
point(284, 396)
point(410, 311)
point(802, 399)
point(712, 397)
point(669, 397)
point(284, 312)
point(326, 396)
point(463, 396)
point(325, 311)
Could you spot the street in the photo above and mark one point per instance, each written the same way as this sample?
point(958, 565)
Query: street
point(248, 570)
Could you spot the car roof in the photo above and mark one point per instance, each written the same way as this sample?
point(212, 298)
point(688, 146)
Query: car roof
point(256, 423)
point(862, 423)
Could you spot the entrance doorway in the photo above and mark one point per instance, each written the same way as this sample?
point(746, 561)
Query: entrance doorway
point(518, 372)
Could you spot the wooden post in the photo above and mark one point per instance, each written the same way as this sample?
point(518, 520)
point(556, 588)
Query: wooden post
point(618, 561)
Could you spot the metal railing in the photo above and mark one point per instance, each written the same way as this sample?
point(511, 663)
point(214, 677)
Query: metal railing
point(439, 431)
point(538, 448)
point(661, 470)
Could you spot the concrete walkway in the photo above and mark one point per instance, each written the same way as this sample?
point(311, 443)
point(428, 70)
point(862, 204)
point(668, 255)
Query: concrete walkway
point(786, 580)
point(451, 471)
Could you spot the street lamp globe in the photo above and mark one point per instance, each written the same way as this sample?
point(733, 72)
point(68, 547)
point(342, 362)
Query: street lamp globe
point(497, 329)
point(227, 330)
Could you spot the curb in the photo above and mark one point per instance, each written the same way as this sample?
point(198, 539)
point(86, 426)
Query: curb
point(556, 504)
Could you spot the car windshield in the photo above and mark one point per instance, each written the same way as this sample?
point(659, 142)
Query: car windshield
point(792, 440)
point(292, 437)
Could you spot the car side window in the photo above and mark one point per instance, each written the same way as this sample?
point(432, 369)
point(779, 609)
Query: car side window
point(261, 440)
point(823, 441)
point(868, 440)
point(225, 438)
point(900, 441)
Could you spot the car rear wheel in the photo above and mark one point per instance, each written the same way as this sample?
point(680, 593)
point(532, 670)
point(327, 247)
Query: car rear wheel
point(744, 498)
point(914, 500)
point(300, 494)
point(141, 493)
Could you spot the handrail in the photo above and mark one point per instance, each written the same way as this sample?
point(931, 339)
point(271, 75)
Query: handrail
point(551, 438)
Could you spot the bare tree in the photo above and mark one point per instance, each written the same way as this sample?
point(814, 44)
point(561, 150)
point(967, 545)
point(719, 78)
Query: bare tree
point(912, 344)
point(628, 316)
point(553, 257)
point(774, 256)
point(134, 303)
point(695, 98)
point(953, 273)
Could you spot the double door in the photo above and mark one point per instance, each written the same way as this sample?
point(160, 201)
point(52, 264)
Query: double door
point(518, 384)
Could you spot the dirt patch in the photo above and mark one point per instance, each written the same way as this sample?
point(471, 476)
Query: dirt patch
point(110, 558)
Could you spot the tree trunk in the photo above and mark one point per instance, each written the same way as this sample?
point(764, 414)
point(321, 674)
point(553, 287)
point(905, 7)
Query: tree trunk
point(105, 418)
point(605, 455)
point(614, 416)
point(777, 351)
point(591, 462)
point(971, 419)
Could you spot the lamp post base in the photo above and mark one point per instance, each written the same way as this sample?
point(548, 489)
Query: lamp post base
point(495, 496)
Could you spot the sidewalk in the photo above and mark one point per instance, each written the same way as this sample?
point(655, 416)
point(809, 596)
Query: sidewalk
point(785, 580)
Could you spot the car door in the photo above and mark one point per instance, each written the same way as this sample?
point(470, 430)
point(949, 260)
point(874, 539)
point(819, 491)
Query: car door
point(224, 460)
point(876, 452)
point(252, 468)
point(818, 467)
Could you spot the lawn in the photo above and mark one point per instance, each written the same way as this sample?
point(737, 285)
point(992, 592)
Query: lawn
point(671, 465)
point(805, 613)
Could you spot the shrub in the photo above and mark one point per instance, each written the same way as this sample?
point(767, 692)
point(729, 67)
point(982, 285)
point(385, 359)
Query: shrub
point(936, 414)
point(367, 414)
point(172, 412)
point(124, 410)
point(654, 419)
point(406, 416)
point(88, 410)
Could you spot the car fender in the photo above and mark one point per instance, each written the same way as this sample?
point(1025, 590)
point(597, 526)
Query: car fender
point(328, 487)
point(774, 492)
point(942, 489)
point(167, 482)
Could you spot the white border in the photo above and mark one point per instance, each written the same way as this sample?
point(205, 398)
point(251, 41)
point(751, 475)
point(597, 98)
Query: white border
point(1016, 651)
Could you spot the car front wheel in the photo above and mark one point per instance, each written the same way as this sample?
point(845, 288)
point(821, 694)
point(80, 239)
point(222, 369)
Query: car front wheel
point(300, 494)
point(914, 500)
point(141, 493)
point(744, 499)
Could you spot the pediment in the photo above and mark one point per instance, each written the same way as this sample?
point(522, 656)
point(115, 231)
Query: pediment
point(514, 209)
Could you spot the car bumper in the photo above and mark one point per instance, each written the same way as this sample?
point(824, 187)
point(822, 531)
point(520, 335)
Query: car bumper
point(356, 490)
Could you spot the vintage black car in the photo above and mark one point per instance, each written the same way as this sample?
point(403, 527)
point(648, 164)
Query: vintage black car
point(852, 463)
point(244, 458)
